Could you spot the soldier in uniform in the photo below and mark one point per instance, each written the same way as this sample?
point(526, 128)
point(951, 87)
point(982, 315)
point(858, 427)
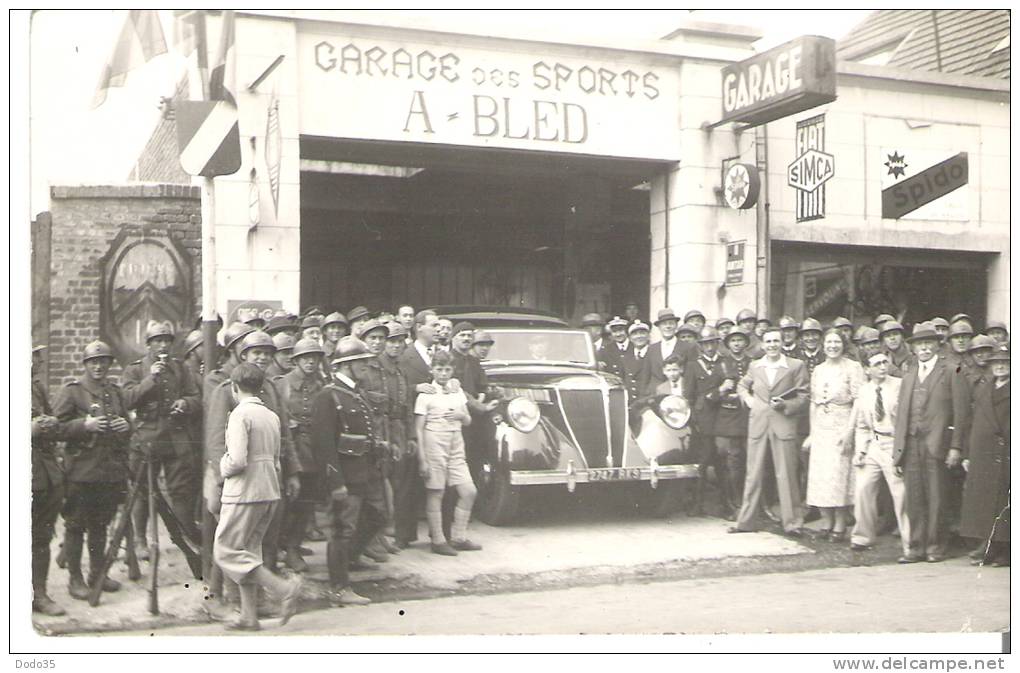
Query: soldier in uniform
point(344, 439)
point(612, 353)
point(195, 367)
point(299, 388)
point(356, 318)
point(960, 334)
point(368, 374)
point(941, 326)
point(789, 330)
point(731, 420)
point(334, 328)
point(810, 344)
point(94, 421)
point(696, 319)
point(998, 331)
point(688, 334)
point(400, 422)
point(164, 397)
point(311, 327)
point(47, 488)
point(636, 361)
point(761, 325)
point(846, 330)
point(703, 379)
point(895, 347)
point(281, 363)
point(482, 345)
point(723, 327)
point(868, 343)
point(747, 320)
point(283, 324)
point(881, 319)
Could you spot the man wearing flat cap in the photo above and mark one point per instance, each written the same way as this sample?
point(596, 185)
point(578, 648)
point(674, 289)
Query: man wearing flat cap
point(928, 441)
point(594, 325)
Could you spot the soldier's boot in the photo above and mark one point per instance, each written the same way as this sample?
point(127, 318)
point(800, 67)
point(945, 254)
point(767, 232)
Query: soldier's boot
point(41, 602)
point(61, 557)
point(97, 551)
point(337, 562)
point(73, 541)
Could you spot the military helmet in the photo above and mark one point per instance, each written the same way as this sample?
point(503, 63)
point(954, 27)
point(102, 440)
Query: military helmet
point(982, 341)
point(708, 333)
point(591, 319)
point(996, 324)
point(158, 328)
point(893, 326)
point(257, 339)
point(350, 348)
point(868, 335)
point(283, 342)
point(314, 320)
point(235, 332)
point(307, 347)
point(358, 313)
point(810, 325)
point(396, 330)
point(960, 327)
point(689, 328)
point(371, 325)
point(693, 313)
point(746, 314)
point(999, 355)
point(737, 331)
point(279, 323)
point(723, 321)
point(96, 349)
point(961, 316)
point(335, 318)
point(939, 322)
point(192, 341)
point(842, 322)
point(483, 337)
point(788, 322)
point(881, 318)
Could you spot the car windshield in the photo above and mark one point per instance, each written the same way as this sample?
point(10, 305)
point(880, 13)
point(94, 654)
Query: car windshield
point(534, 345)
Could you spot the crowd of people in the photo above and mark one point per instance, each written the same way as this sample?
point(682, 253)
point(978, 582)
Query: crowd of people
point(364, 416)
point(815, 419)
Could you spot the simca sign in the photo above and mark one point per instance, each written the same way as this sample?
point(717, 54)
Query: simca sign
point(933, 183)
point(810, 170)
point(250, 309)
point(790, 78)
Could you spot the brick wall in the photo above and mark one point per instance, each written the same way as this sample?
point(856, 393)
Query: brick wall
point(86, 221)
point(160, 159)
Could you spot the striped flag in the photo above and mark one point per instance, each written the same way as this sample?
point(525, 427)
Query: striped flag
point(223, 77)
point(274, 150)
point(141, 39)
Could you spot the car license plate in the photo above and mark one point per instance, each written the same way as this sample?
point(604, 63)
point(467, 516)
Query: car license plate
point(614, 473)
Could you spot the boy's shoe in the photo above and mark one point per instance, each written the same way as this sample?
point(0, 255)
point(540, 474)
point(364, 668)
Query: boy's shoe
point(465, 545)
point(241, 625)
point(218, 611)
point(347, 596)
point(443, 549)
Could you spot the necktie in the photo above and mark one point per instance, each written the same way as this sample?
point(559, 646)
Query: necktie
point(879, 407)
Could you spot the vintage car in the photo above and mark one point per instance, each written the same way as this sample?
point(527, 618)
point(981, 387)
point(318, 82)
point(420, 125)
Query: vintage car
point(562, 421)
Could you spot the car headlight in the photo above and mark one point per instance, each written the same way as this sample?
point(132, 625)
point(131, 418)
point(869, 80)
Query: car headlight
point(523, 414)
point(674, 411)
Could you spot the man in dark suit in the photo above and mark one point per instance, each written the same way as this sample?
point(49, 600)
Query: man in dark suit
point(669, 346)
point(776, 392)
point(612, 353)
point(415, 364)
point(933, 410)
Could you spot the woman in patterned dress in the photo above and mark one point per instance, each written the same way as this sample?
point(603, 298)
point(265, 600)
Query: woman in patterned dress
point(834, 386)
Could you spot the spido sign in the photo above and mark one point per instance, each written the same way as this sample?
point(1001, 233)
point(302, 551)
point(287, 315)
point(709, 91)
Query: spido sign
point(792, 77)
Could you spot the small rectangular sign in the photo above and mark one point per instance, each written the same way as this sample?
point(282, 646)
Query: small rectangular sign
point(782, 81)
point(927, 186)
point(735, 262)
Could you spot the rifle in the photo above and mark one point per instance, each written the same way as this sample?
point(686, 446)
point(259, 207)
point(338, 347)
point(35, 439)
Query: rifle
point(153, 542)
point(111, 551)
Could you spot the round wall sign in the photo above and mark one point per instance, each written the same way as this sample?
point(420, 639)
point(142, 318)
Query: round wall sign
point(741, 185)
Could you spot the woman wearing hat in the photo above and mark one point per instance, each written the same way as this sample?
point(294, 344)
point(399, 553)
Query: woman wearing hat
point(834, 386)
point(985, 515)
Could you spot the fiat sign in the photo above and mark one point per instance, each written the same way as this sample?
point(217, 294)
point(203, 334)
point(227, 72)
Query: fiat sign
point(810, 170)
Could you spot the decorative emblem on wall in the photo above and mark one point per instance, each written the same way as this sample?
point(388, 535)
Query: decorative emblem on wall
point(741, 185)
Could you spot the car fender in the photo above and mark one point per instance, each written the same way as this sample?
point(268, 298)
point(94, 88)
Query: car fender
point(657, 440)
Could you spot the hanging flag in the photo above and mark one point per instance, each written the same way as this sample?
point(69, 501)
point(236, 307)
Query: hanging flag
point(254, 204)
point(141, 39)
point(187, 25)
point(274, 151)
point(223, 76)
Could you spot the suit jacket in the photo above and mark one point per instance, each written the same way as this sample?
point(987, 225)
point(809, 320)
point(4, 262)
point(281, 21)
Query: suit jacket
point(611, 357)
point(685, 350)
point(945, 415)
point(763, 418)
point(415, 371)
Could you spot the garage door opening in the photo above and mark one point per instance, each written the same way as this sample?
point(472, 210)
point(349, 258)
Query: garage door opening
point(383, 225)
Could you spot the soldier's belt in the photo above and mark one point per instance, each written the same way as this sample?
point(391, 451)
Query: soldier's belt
point(353, 445)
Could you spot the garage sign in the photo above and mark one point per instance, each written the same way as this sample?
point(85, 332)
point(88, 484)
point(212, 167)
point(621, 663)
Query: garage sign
point(790, 78)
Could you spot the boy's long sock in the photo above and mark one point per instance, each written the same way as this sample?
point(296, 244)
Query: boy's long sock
point(461, 516)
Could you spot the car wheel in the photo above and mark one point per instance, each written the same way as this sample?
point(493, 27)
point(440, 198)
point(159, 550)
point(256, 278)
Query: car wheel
point(498, 499)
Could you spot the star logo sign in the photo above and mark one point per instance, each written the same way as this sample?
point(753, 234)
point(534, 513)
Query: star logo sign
point(736, 190)
point(896, 164)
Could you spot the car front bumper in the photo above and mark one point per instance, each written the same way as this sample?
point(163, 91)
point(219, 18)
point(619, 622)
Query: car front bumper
point(650, 474)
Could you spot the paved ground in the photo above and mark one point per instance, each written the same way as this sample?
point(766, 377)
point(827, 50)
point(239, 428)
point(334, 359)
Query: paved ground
point(948, 597)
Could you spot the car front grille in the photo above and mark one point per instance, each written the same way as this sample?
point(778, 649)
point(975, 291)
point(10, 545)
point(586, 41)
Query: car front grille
point(586, 421)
